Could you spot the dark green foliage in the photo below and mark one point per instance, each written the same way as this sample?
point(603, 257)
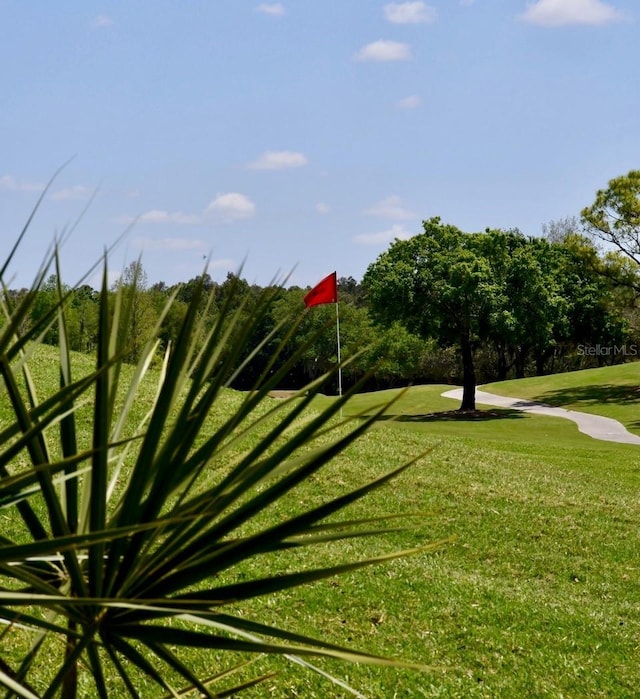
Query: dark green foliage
point(439, 284)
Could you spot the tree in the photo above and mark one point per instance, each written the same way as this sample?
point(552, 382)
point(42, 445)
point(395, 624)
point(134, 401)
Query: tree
point(138, 307)
point(557, 231)
point(398, 356)
point(531, 304)
point(438, 284)
point(315, 341)
point(44, 309)
point(593, 314)
point(84, 333)
point(615, 214)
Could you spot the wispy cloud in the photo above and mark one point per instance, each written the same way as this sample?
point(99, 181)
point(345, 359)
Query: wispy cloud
point(176, 217)
point(560, 13)
point(101, 21)
point(322, 208)
point(410, 102)
point(12, 184)
point(76, 192)
point(396, 231)
point(410, 13)
point(382, 51)
point(169, 244)
point(224, 208)
point(391, 207)
point(278, 160)
point(223, 263)
point(231, 206)
point(271, 8)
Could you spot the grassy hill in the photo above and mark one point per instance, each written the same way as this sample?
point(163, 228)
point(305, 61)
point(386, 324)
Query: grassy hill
point(612, 391)
point(537, 596)
point(537, 593)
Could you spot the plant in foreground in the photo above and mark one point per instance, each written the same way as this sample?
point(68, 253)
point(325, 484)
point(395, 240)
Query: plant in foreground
point(124, 539)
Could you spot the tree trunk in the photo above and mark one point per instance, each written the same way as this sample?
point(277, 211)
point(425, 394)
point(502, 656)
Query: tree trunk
point(521, 362)
point(502, 366)
point(468, 375)
point(541, 360)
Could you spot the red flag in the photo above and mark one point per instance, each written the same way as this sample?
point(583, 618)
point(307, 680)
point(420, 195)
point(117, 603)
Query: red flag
point(325, 291)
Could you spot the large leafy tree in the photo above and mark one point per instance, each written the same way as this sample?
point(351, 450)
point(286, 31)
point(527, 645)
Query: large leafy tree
point(531, 305)
point(594, 309)
point(614, 216)
point(438, 284)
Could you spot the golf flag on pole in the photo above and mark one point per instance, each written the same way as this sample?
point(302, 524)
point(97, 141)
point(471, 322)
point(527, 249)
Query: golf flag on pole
point(325, 291)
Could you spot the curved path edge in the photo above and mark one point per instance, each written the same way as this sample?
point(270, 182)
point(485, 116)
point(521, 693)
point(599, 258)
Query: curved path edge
point(596, 426)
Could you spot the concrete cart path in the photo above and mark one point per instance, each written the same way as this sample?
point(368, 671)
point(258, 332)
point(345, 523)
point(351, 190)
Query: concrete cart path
point(596, 426)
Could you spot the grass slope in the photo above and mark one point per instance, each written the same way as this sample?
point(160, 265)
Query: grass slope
point(612, 391)
point(538, 595)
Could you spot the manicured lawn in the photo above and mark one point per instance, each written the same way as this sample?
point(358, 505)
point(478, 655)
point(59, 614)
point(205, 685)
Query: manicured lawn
point(535, 592)
point(612, 391)
point(538, 595)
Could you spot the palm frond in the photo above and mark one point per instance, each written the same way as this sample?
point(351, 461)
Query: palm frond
point(140, 521)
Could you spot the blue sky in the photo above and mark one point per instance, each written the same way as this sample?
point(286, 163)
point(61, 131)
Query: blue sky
point(304, 134)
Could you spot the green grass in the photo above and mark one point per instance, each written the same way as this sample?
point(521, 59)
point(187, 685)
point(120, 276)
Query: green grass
point(612, 391)
point(537, 595)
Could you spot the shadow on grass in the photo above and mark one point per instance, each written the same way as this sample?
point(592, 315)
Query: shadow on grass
point(592, 395)
point(455, 416)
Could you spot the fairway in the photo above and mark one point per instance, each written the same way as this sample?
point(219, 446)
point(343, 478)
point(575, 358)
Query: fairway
point(538, 594)
point(534, 590)
point(612, 391)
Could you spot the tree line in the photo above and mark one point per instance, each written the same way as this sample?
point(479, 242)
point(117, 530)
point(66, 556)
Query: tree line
point(443, 306)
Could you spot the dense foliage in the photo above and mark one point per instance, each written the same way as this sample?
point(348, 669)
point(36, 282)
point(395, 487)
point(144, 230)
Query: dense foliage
point(498, 303)
point(445, 305)
point(523, 299)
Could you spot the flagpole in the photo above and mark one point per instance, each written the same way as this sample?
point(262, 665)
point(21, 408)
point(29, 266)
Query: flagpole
point(326, 291)
point(339, 365)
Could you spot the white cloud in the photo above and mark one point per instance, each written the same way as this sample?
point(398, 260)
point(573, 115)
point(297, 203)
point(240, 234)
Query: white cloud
point(222, 263)
point(382, 51)
point(101, 21)
point(271, 8)
point(11, 184)
point(383, 237)
point(175, 217)
point(78, 191)
point(559, 13)
point(173, 244)
point(322, 208)
point(225, 207)
point(410, 13)
point(391, 207)
point(278, 160)
point(467, 3)
point(410, 102)
point(231, 207)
